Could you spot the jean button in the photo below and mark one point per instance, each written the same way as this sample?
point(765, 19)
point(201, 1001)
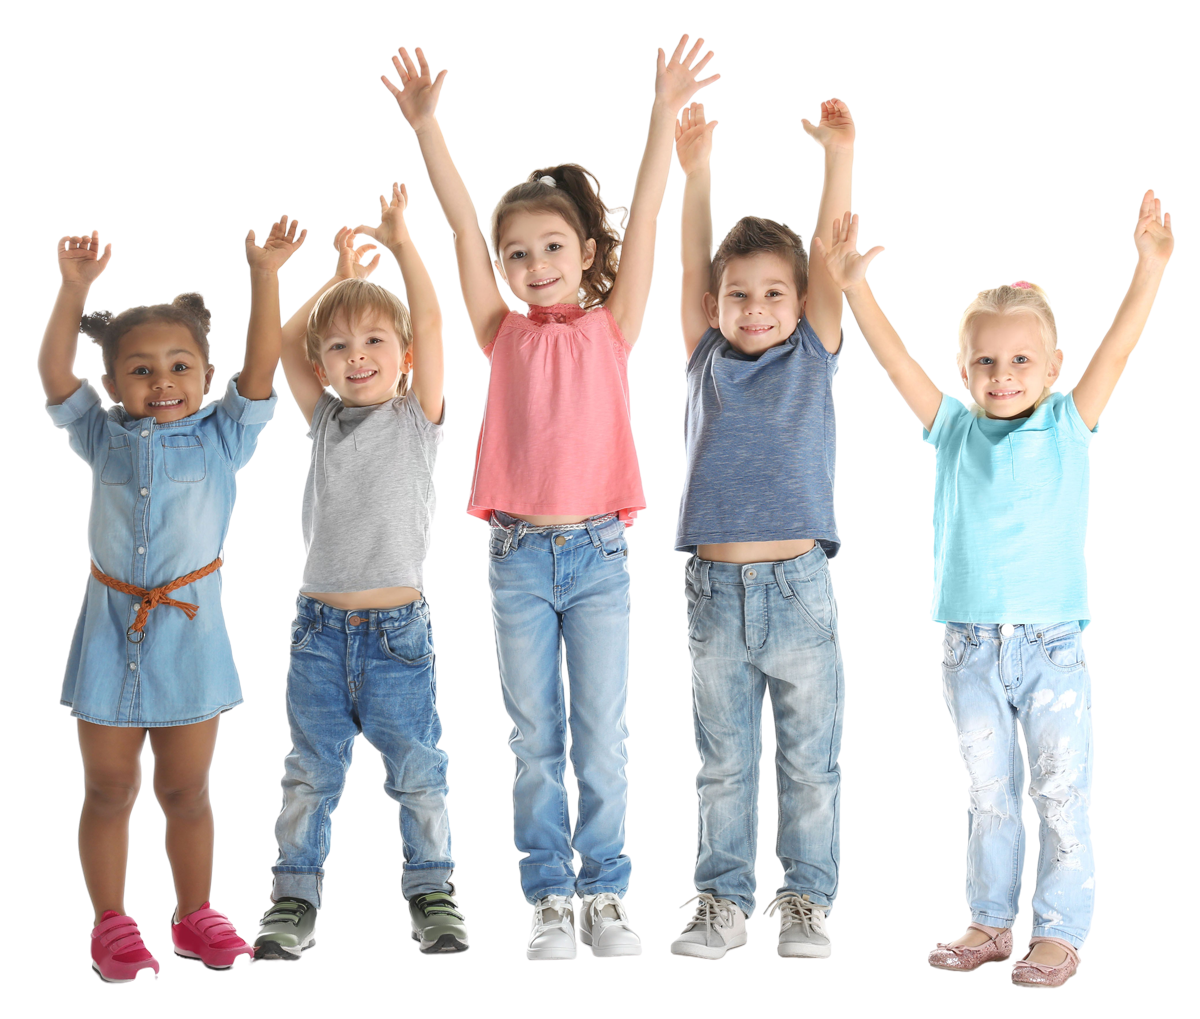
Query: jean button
point(355, 620)
point(751, 574)
point(1007, 630)
point(560, 540)
point(144, 491)
point(145, 432)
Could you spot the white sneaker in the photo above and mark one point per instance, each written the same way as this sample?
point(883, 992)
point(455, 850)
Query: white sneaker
point(717, 927)
point(604, 925)
point(553, 935)
point(802, 933)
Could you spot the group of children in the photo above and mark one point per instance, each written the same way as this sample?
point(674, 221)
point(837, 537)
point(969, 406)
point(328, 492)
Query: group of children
point(556, 478)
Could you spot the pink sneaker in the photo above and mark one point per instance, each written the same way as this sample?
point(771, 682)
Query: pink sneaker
point(208, 936)
point(117, 949)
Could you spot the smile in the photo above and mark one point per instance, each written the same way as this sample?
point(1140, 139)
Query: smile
point(362, 376)
point(756, 330)
point(165, 403)
point(1003, 394)
point(538, 284)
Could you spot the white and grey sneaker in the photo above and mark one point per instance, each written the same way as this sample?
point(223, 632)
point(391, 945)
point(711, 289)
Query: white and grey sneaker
point(553, 935)
point(604, 925)
point(718, 926)
point(802, 933)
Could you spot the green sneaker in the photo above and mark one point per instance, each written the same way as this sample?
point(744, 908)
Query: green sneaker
point(287, 930)
point(437, 923)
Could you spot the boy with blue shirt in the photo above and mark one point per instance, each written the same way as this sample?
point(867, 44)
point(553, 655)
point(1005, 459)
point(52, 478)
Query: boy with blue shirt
point(762, 339)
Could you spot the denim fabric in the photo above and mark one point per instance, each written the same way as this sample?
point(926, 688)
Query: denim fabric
point(368, 671)
point(1034, 675)
point(554, 589)
point(754, 628)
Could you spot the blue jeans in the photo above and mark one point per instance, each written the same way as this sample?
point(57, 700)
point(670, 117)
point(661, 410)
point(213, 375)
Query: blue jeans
point(755, 628)
point(368, 671)
point(1033, 675)
point(554, 589)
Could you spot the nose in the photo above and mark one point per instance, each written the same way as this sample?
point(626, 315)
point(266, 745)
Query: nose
point(162, 381)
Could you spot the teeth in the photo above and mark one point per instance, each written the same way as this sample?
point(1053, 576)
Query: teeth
point(362, 375)
point(165, 403)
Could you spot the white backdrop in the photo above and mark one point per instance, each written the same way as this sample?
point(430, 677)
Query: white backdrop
point(993, 144)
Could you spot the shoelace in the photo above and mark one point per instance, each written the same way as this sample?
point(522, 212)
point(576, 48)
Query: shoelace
point(561, 904)
point(596, 910)
point(444, 906)
point(711, 910)
point(798, 910)
point(289, 911)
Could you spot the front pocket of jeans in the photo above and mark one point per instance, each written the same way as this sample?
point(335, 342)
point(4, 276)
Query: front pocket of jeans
point(814, 601)
point(183, 457)
point(1063, 652)
point(409, 644)
point(956, 649)
point(118, 464)
point(302, 631)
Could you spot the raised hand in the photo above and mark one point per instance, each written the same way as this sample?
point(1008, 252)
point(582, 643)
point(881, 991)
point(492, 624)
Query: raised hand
point(693, 138)
point(1152, 235)
point(79, 258)
point(846, 266)
point(350, 259)
point(836, 129)
point(277, 248)
point(392, 229)
point(675, 81)
point(419, 91)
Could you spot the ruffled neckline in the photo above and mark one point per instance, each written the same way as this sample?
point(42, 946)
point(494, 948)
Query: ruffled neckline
point(563, 314)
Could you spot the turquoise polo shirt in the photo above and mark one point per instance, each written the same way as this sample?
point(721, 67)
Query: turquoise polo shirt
point(1010, 515)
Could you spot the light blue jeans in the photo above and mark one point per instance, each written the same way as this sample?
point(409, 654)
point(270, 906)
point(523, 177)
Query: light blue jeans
point(756, 628)
point(368, 671)
point(554, 590)
point(1032, 675)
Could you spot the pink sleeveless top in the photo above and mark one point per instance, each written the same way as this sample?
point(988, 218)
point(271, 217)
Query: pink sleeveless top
point(556, 438)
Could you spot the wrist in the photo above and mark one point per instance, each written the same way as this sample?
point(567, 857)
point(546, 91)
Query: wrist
point(423, 126)
point(1151, 264)
point(259, 274)
point(697, 173)
point(856, 289)
point(75, 286)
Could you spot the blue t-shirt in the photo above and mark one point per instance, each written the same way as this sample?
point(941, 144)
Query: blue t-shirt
point(1010, 514)
point(759, 434)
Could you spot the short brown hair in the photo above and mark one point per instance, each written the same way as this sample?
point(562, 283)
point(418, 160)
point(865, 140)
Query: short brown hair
point(354, 299)
point(106, 329)
point(752, 235)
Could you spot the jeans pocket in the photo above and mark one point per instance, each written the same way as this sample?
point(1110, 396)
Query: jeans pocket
point(118, 464)
point(1062, 651)
point(499, 544)
point(956, 649)
point(614, 548)
point(814, 599)
point(183, 457)
point(302, 631)
point(410, 644)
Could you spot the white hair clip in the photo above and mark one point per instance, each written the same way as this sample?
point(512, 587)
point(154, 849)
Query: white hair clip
point(549, 181)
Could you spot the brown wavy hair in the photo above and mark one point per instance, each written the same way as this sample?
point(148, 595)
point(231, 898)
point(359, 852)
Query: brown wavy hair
point(106, 329)
point(750, 236)
point(574, 195)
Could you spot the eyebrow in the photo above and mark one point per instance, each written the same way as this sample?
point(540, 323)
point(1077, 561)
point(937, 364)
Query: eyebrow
point(767, 283)
point(541, 237)
point(170, 353)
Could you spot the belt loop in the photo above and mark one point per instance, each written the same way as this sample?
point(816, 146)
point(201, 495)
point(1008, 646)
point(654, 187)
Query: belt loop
point(1031, 633)
point(972, 636)
point(372, 619)
point(515, 533)
point(705, 587)
point(594, 533)
point(318, 606)
point(781, 580)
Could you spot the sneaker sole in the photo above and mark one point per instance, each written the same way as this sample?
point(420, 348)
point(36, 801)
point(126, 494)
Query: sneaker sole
point(121, 980)
point(549, 954)
point(696, 951)
point(193, 955)
point(446, 943)
point(792, 951)
point(240, 963)
point(145, 976)
point(274, 950)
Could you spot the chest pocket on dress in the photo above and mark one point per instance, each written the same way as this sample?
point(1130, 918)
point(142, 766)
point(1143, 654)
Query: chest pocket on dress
point(118, 464)
point(183, 457)
point(1035, 458)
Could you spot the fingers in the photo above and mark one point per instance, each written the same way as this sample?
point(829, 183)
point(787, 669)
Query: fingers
point(362, 228)
point(403, 195)
point(383, 206)
point(687, 61)
point(1166, 222)
point(437, 83)
point(844, 232)
point(867, 258)
point(373, 264)
point(300, 239)
point(108, 251)
point(700, 66)
point(361, 251)
point(707, 81)
point(818, 246)
point(409, 68)
point(678, 49)
point(423, 65)
point(807, 126)
point(250, 239)
point(390, 87)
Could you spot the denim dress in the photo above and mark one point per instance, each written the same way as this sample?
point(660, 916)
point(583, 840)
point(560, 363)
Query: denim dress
point(161, 500)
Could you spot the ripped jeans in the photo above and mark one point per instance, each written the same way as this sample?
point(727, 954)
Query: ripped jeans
point(995, 677)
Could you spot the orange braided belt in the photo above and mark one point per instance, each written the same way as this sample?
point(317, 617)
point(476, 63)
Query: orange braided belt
point(157, 595)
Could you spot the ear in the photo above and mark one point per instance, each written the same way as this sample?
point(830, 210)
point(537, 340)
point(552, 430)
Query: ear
point(406, 362)
point(110, 387)
point(1055, 366)
point(208, 377)
point(710, 311)
point(499, 269)
point(963, 371)
point(589, 252)
point(319, 371)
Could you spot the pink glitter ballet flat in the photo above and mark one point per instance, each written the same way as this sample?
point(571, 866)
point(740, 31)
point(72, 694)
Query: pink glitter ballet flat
point(1036, 974)
point(963, 957)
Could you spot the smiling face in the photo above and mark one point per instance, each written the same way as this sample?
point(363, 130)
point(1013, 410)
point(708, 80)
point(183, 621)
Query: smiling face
point(758, 304)
point(1007, 366)
point(159, 371)
point(363, 360)
point(541, 257)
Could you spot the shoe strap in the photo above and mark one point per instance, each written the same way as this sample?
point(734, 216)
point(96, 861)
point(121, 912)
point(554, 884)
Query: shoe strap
point(437, 904)
point(1042, 967)
point(983, 930)
point(209, 924)
point(119, 934)
point(286, 911)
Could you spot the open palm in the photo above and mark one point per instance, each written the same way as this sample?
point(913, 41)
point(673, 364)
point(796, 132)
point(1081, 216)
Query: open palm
point(836, 127)
point(279, 246)
point(846, 266)
point(419, 91)
point(675, 82)
point(1152, 235)
point(693, 138)
point(79, 258)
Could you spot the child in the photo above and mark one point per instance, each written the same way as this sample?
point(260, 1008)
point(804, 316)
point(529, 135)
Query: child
point(762, 338)
point(557, 477)
point(143, 660)
point(1010, 510)
point(362, 648)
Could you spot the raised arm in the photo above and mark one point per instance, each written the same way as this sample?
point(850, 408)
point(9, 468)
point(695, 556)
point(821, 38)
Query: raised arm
point(79, 263)
point(417, 99)
point(1154, 242)
point(693, 146)
point(674, 84)
point(263, 337)
point(297, 368)
point(428, 367)
point(848, 270)
point(835, 133)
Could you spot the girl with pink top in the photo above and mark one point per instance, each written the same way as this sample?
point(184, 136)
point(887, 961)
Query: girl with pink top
point(556, 475)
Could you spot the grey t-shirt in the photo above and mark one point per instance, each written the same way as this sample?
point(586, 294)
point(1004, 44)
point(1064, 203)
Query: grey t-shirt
point(759, 435)
point(369, 495)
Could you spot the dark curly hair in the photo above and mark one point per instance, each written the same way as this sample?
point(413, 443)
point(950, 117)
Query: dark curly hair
point(750, 236)
point(574, 195)
point(107, 329)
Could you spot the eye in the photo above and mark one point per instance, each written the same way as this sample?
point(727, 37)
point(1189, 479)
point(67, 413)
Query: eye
point(985, 360)
point(553, 246)
point(517, 255)
point(774, 293)
point(141, 369)
point(736, 294)
point(180, 366)
point(375, 339)
point(1020, 359)
point(337, 345)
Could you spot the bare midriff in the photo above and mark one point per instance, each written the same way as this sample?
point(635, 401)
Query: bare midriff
point(755, 551)
point(376, 598)
point(540, 521)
